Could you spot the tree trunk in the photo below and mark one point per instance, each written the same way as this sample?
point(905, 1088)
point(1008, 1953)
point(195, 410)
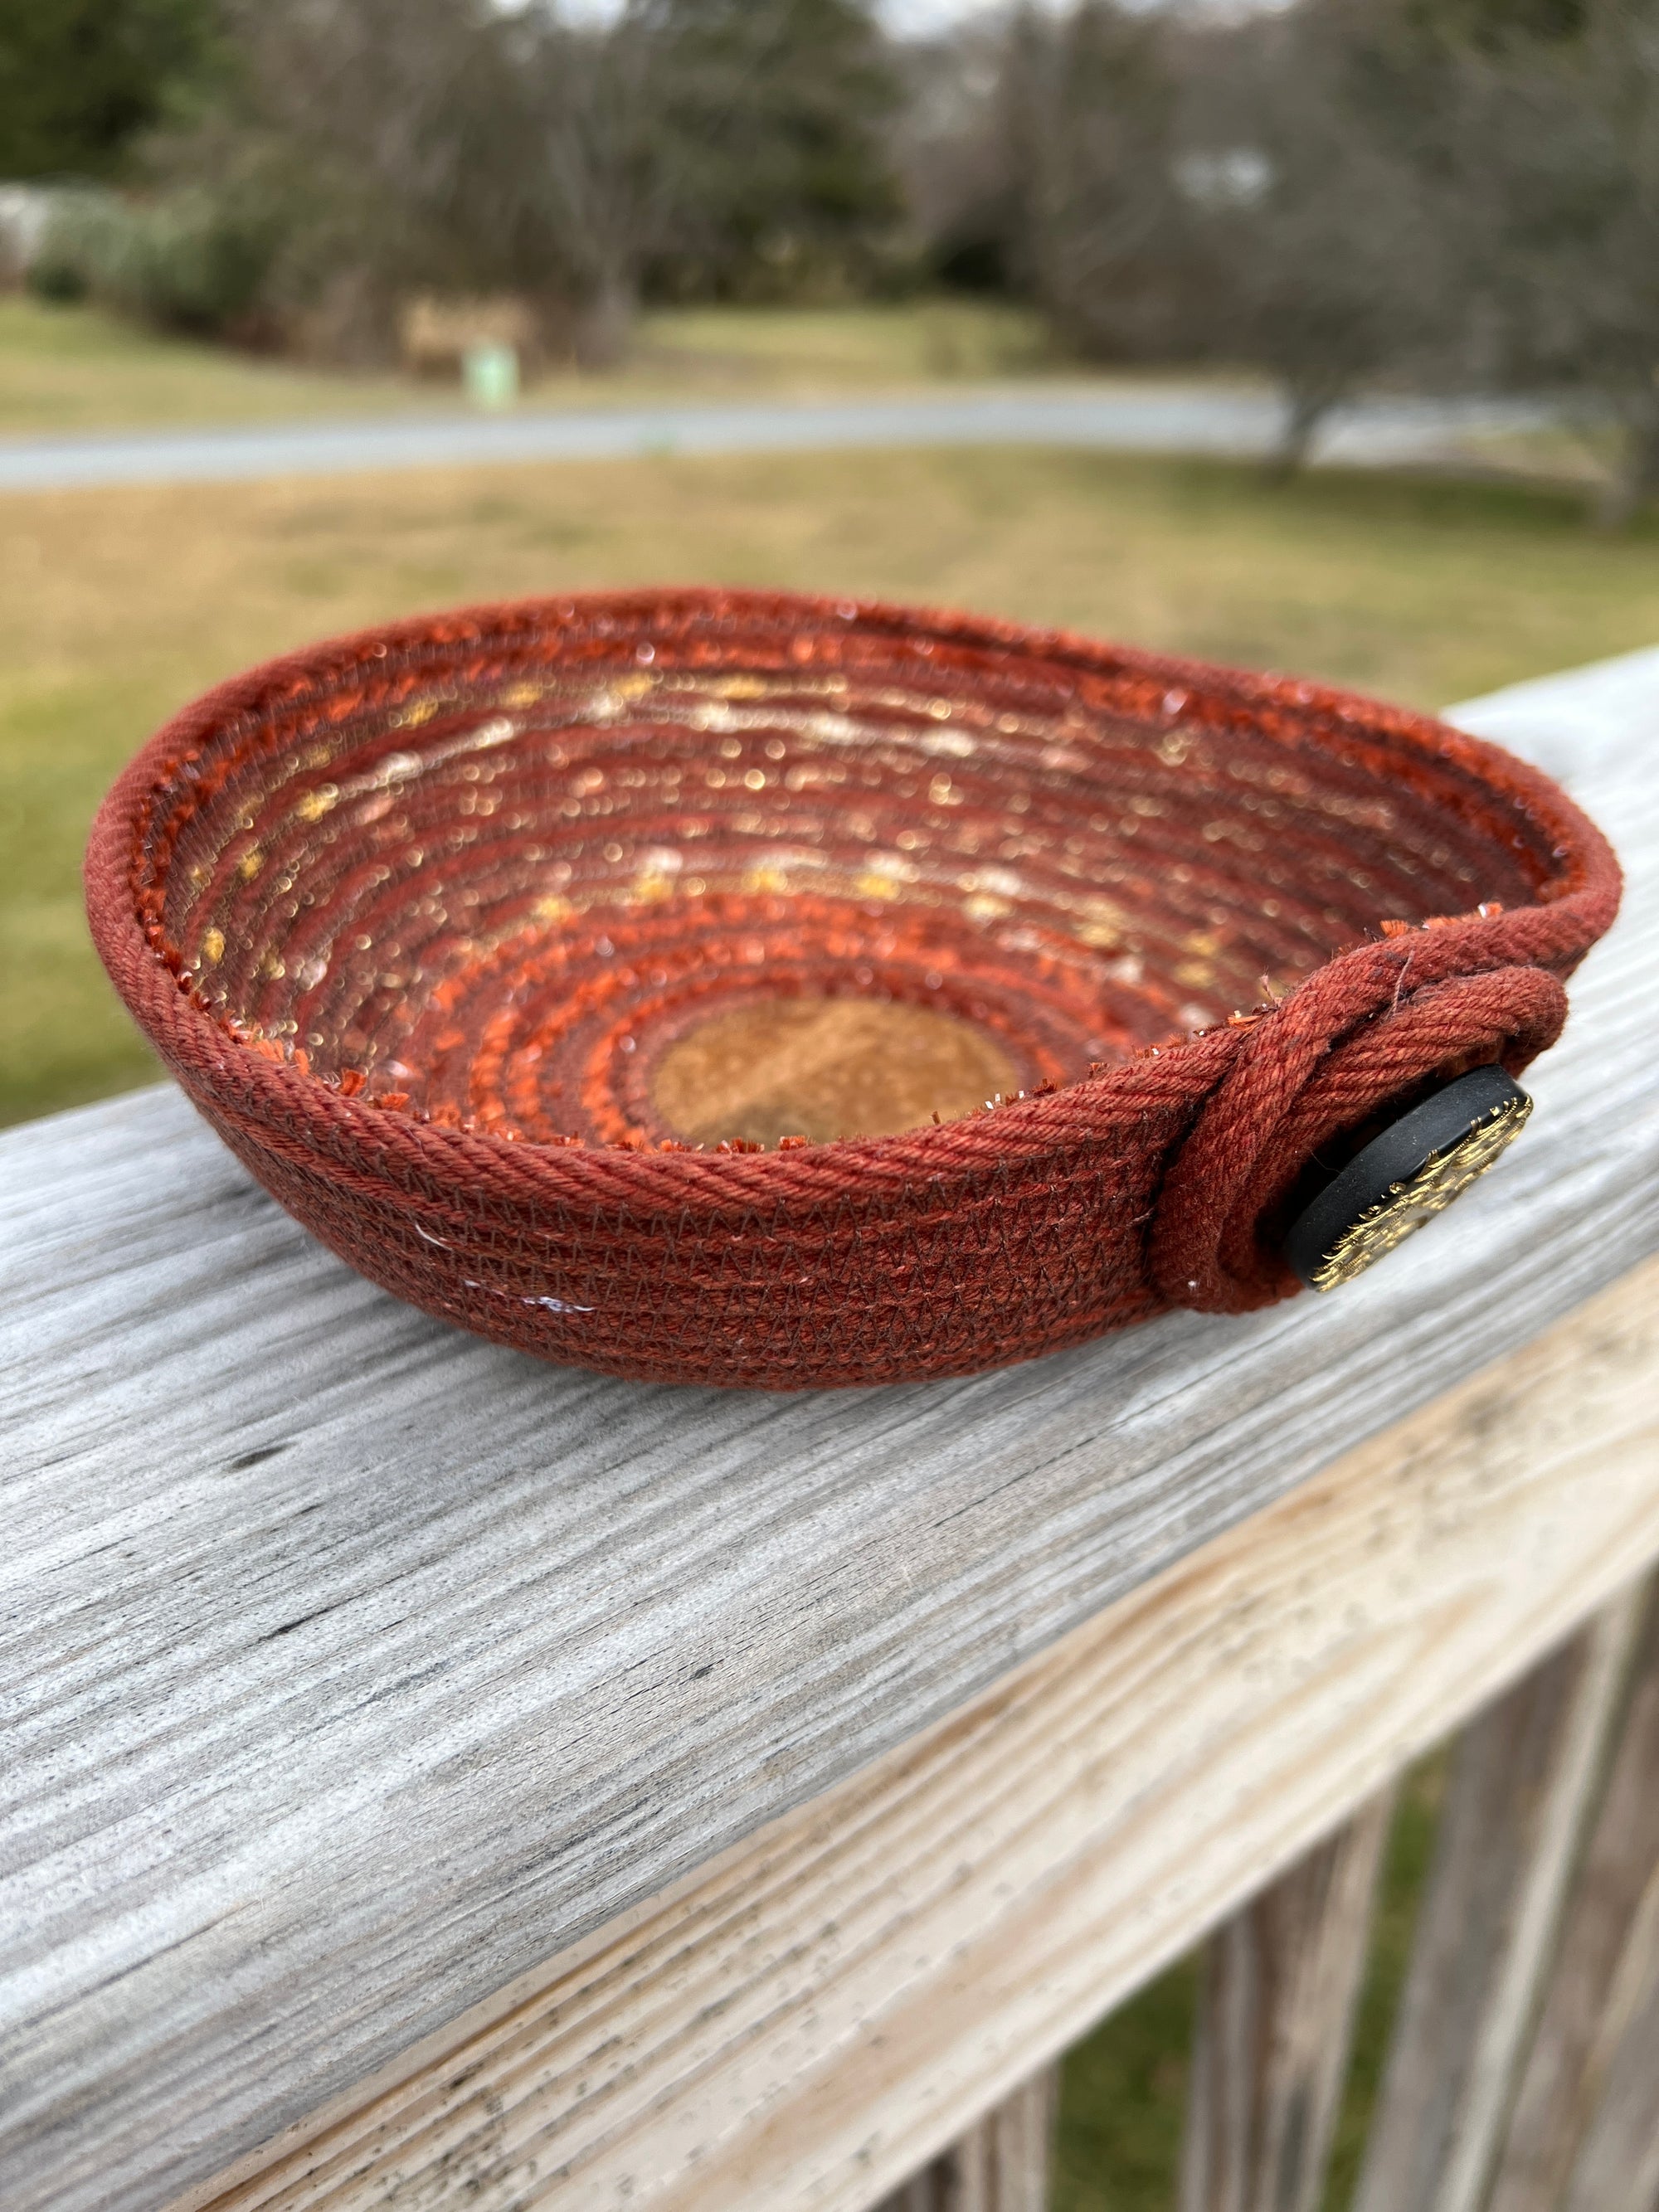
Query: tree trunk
point(1635, 479)
point(1304, 411)
point(606, 323)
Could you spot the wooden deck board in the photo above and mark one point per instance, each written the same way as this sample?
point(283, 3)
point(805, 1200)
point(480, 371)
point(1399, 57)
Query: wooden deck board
point(848, 1990)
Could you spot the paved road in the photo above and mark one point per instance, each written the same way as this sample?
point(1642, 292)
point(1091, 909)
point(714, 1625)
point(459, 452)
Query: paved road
point(1131, 418)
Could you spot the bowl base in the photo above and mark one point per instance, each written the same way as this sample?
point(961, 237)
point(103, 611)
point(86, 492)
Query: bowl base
point(826, 1067)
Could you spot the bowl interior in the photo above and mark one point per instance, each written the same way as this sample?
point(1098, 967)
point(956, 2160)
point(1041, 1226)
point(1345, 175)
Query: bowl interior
point(635, 903)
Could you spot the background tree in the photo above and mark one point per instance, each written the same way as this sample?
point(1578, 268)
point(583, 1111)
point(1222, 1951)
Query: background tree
point(1318, 158)
point(380, 132)
point(705, 147)
point(1562, 151)
point(1104, 238)
point(780, 113)
point(951, 150)
point(80, 79)
point(588, 164)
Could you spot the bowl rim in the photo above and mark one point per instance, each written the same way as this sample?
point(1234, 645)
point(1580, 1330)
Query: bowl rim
point(273, 1096)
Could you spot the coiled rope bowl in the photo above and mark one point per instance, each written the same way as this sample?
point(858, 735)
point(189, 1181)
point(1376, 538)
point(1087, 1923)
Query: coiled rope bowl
point(733, 988)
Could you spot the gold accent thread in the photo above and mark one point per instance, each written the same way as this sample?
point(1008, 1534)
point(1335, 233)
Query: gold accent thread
point(1407, 1205)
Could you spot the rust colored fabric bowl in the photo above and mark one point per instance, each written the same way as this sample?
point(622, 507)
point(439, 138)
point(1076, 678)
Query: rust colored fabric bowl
point(469, 935)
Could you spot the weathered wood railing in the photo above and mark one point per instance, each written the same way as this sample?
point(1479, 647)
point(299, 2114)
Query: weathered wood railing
point(437, 1780)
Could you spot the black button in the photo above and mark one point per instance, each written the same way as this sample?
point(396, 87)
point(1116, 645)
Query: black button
point(1405, 1176)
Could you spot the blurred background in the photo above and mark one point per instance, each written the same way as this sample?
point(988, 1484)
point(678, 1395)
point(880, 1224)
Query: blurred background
point(1363, 294)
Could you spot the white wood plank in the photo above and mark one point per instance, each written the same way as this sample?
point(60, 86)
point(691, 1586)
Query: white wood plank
point(1002, 2164)
point(1275, 2018)
point(1525, 1779)
point(1578, 724)
point(1584, 2136)
point(351, 1667)
point(1617, 2161)
point(810, 2020)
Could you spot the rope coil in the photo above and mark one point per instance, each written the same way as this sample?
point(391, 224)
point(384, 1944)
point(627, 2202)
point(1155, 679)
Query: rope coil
point(409, 916)
point(1368, 1030)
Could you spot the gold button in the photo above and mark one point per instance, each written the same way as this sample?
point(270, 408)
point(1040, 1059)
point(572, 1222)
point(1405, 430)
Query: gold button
point(1402, 1178)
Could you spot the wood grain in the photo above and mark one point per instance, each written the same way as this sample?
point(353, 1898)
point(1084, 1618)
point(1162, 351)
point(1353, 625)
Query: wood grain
point(1617, 2161)
point(1524, 1779)
point(1585, 2132)
point(843, 1996)
point(1275, 2019)
point(1002, 2164)
point(352, 1668)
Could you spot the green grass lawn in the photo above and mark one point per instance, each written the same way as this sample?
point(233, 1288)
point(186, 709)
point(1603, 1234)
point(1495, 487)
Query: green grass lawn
point(64, 369)
point(72, 368)
point(910, 342)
